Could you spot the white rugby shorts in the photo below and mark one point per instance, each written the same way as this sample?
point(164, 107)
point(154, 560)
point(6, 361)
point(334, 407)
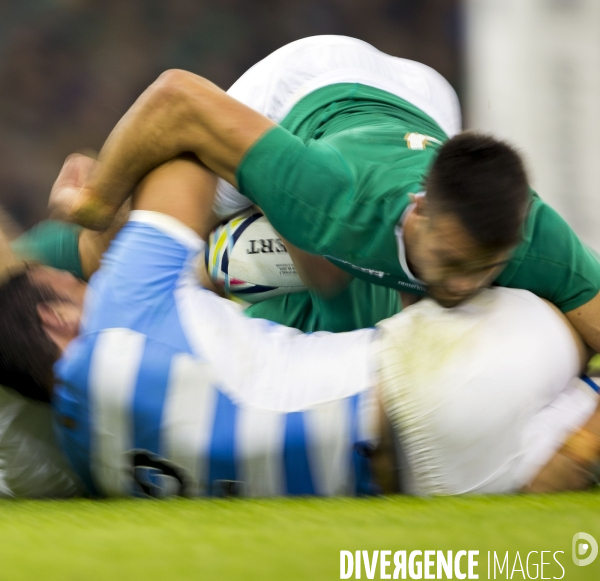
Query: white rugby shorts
point(278, 82)
point(31, 463)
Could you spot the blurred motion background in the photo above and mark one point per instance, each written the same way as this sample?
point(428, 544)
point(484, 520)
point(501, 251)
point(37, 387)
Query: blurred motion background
point(69, 69)
point(527, 70)
point(532, 76)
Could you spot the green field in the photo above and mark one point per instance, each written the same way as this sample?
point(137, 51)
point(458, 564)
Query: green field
point(283, 539)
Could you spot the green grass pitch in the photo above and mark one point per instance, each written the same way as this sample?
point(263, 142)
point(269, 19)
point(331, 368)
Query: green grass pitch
point(284, 539)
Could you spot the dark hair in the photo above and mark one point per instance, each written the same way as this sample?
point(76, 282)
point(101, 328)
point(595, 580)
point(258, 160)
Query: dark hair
point(483, 182)
point(27, 354)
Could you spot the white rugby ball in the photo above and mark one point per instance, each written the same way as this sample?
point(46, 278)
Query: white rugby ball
point(246, 257)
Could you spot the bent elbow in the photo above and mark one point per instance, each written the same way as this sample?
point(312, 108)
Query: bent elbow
point(170, 85)
point(172, 79)
point(174, 87)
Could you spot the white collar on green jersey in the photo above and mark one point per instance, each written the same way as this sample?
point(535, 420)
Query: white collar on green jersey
point(399, 231)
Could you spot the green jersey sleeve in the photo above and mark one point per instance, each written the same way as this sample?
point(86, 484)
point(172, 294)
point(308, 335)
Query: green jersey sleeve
point(329, 197)
point(552, 262)
point(290, 182)
point(336, 177)
point(52, 243)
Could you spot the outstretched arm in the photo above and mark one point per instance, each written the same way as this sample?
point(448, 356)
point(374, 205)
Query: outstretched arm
point(180, 112)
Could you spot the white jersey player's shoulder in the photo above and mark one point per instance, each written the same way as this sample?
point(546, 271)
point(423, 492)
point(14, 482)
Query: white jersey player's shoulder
point(479, 373)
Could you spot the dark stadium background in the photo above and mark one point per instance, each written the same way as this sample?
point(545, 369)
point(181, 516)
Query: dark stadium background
point(70, 68)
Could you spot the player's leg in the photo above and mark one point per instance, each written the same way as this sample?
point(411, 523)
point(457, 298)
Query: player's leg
point(567, 460)
point(278, 82)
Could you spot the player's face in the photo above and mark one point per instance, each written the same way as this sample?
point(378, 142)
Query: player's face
point(64, 284)
point(450, 262)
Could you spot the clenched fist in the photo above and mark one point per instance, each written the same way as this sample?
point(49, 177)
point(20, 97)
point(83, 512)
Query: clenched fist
point(69, 184)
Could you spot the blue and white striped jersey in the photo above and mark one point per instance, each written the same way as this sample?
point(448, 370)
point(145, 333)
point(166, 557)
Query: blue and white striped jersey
point(169, 389)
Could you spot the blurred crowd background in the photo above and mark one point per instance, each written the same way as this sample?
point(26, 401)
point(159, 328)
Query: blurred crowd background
point(525, 70)
point(70, 68)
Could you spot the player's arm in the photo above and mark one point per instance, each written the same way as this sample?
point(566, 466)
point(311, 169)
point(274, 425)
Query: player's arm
point(586, 319)
point(62, 246)
point(571, 468)
point(180, 112)
point(303, 189)
point(195, 186)
point(92, 244)
point(66, 246)
point(554, 264)
point(79, 250)
point(573, 270)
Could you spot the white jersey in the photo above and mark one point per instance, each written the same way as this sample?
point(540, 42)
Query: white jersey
point(483, 394)
point(31, 464)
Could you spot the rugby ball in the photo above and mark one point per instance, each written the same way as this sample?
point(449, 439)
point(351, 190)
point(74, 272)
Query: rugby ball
point(247, 259)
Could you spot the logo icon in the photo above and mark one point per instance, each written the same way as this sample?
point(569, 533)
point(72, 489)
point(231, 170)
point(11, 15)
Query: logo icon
point(419, 142)
point(584, 544)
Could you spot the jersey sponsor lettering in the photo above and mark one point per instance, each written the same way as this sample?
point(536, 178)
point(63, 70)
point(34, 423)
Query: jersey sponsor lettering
point(377, 273)
point(378, 276)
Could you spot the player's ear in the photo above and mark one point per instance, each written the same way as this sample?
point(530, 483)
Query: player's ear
point(420, 202)
point(419, 216)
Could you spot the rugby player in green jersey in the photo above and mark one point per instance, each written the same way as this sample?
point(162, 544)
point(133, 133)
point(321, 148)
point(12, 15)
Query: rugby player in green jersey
point(340, 177)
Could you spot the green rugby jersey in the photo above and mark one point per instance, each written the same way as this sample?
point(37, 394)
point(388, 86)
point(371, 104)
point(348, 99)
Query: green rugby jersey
point(334, 179)
point(360, 305)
